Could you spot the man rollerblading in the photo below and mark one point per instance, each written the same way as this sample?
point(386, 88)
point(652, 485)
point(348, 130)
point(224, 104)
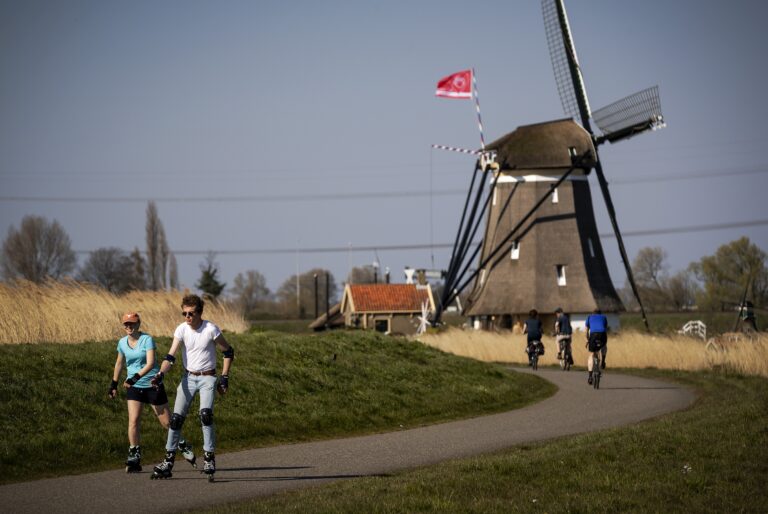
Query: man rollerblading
point(186, 451)
point(133, 462)
point(197, 339)
point(164, 469)
point(209, 465)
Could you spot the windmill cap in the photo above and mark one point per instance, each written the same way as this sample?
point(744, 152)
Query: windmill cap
point(131, 317)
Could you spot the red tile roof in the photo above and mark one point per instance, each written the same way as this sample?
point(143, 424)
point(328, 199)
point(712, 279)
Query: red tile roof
point(388, 297)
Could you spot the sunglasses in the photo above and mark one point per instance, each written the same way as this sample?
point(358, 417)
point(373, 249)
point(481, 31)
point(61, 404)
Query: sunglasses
point(129, 325)
point(188, 314)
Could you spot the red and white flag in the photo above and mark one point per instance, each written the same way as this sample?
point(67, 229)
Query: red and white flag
point(458, 85)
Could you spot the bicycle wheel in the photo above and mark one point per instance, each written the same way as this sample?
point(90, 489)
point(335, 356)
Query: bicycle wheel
point(535, 360)
point(596, 373)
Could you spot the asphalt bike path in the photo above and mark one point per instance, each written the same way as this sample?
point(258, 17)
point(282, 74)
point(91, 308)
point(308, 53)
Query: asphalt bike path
point(575, 408)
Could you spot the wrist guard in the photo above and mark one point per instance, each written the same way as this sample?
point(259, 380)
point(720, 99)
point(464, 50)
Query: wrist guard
point(223, 384)
point(135, 378)
point(157, 380)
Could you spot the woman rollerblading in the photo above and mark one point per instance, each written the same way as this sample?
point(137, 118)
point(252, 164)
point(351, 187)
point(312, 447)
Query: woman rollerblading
point(136, 353)
point(133, 462)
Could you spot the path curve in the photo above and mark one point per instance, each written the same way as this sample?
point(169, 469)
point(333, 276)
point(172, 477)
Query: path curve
point(575, 408)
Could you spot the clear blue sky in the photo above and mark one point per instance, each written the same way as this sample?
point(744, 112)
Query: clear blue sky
point(207, 101)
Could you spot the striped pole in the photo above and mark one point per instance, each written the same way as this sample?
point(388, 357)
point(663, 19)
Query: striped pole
point(459, 150)
point(477, 106)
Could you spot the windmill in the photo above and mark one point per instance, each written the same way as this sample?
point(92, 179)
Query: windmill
point(424, 318)
point(540, 246)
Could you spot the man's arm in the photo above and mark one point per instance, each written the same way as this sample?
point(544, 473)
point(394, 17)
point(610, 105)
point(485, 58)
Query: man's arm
point(169, 360)
point(229, 356)
point(229, 353)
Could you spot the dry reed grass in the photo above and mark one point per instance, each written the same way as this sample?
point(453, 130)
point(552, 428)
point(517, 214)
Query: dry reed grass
point(625, 350)
point(69, 312)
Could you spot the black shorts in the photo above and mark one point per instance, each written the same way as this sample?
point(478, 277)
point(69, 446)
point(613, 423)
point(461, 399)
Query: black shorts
point(597, 340)
point(148, 395)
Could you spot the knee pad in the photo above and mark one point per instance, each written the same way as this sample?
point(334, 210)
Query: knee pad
point(177, 420)
point(206, 417)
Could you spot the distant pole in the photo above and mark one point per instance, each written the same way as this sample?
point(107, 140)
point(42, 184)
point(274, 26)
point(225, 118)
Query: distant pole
point(316, 296)
point(349, 259)
point(386, 275)
point(298, 287)
point(327, 299)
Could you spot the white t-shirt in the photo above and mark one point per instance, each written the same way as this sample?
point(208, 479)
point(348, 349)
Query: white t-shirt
point(199, 350)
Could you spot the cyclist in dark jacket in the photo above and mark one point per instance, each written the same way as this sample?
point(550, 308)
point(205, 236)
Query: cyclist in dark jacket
point(563, 333)
point(533, 329)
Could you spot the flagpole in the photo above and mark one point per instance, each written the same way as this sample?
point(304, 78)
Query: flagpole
point(477, 106)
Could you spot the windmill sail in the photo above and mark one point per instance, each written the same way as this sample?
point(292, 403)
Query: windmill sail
point(565, 64)
point(630, 116)
point(570, 86)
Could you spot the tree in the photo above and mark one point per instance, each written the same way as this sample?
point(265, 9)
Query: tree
point(363, 275)
point(157, 249)
point(250, 291)
point(165, 254)
point(38, 250)
point(681, 289)
point(726, 274)
point(173, 272)
point(649, 269)
point(139, 268)
point(306, 299)
point(110, 268)
point(208, 282)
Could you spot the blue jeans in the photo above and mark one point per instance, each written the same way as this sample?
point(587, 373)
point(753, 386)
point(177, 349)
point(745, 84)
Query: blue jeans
point(185, 393)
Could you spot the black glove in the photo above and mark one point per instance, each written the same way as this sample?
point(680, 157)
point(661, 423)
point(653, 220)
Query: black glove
point(112, 389)
point(223, 385)
point(157, 380)
point(135, 378)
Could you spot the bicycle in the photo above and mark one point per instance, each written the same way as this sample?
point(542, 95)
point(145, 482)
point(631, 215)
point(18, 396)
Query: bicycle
point(596, 373)
point(535, 348)
point(565, 356)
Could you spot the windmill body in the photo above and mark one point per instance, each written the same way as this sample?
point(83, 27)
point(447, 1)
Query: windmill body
point(555, 258)
point(539, 254)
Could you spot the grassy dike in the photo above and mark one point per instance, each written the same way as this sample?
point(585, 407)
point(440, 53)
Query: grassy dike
point(710, 458)
point(56, 419)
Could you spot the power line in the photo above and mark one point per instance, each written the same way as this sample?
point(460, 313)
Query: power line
point(366, 195)
point(401, 247)
point(314, 197)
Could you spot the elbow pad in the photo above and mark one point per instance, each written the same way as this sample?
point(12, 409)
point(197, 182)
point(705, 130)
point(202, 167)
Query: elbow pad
point(230, 353)
point(170, 358)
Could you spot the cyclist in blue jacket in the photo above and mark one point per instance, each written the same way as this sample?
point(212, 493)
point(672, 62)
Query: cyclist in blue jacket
point(597, 338)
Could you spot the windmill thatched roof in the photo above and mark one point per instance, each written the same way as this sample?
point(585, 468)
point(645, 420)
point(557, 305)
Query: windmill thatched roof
point(542, 146)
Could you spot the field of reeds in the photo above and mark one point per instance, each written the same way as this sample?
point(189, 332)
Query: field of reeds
point(69, 312)
point(625, 350)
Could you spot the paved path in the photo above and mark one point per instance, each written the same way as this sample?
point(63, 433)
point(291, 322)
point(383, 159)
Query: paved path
point(575, 408)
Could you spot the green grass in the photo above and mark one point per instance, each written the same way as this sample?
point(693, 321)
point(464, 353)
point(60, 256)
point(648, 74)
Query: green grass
point(710, 458)
point(56, 419)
